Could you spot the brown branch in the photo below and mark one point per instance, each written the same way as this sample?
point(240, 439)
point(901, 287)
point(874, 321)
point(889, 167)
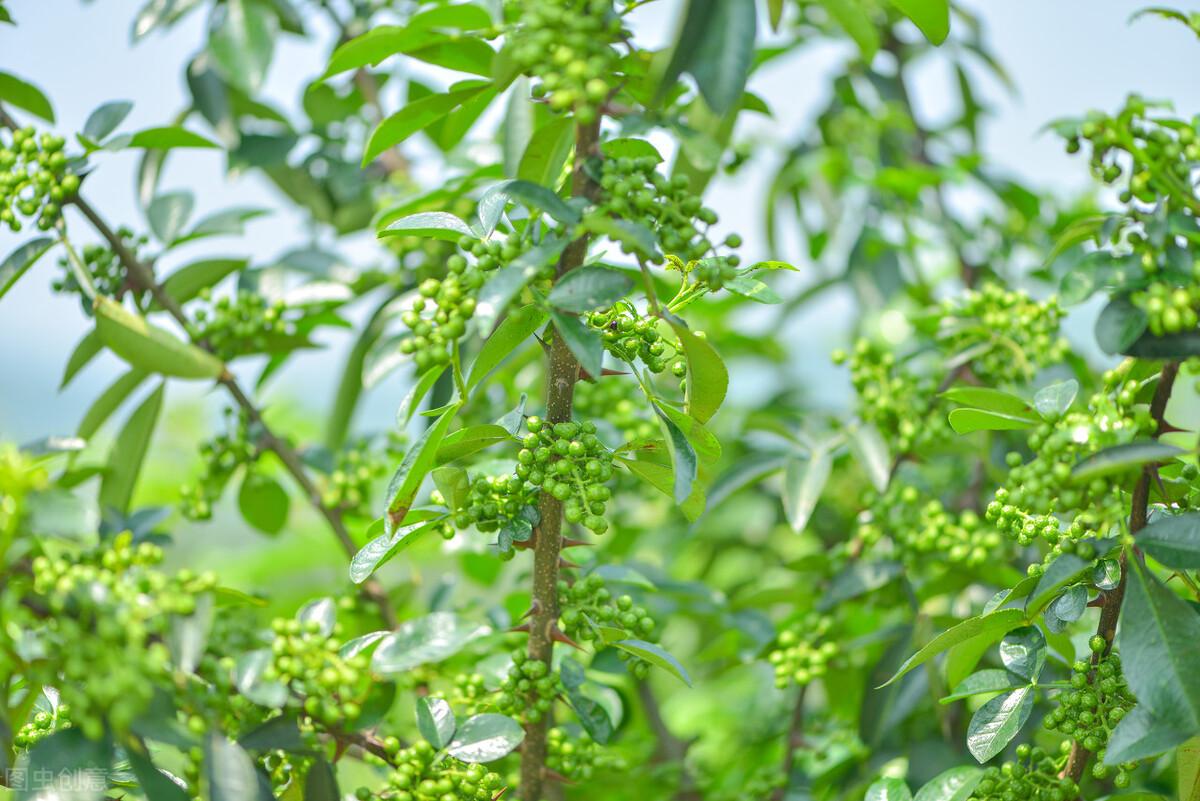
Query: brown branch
point(793, 743)
point(1110, 607)
point(561, 375)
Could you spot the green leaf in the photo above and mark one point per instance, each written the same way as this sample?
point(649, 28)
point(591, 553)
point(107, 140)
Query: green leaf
point(1174, 540)
point(703, 441)
point(803, 481)
point(105, 119)
point(996, 723)
point(1066, 608)
point(230, 222)
point(662, 478)
point(243, 43)
point(967, 421)
point(955, 784)
point(1023, 652)
point(418, 461)
point(128, 452)
point(149, 347)
point(630, 148)
point(168, 213)
point(859, 578)
point(888, 789)
point(1119, 325)
point(108, 401)
point(263, 503)
point(514, 331)
point(84, 352)
point(1187, 761)
point(486, 738)
point(418, 115)
point(871, 451)
point(230, 770)
point(1168, 346)
point(377, 44)
point(431, 224)
point(655, 655)
point(187, 282)
point(469, 440)
point(988, 399)
point(25, 96)
point(20, 260)
point(1002, 620)
point(1053, 401)
point(992, 680)
point(169, 137)
point(507, 282)
point(70, 766)
point(631, 236)
point(435, 721)
point(540, 198)
point(931, 16)
point(855, 20)
point(752, 289)
point(379, 551)
point(55, 512)
point(320, 783)
point(155, 784)
point(684, 464)
point(425, 640)
point(547, 151)
point(583, 341)
point(715, 45)
point(1120, 458)
point(1160, 649)
point(707, 378)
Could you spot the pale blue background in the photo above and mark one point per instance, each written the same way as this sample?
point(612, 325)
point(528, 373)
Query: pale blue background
point(1065, 57)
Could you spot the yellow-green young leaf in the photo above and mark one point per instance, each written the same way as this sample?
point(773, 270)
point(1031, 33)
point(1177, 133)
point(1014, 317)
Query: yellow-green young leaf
point(168, 138)
point(931, 16)
point(1187, 757)
point(128, 452)
point(707, 378)
point(967, 421)
point(999, 621)
point(988, 399)
point(853, 17)
point(149, 347)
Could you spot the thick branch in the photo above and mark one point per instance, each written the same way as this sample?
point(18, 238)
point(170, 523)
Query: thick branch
point(793, 743)
point(1110, 608)
point(562, 373)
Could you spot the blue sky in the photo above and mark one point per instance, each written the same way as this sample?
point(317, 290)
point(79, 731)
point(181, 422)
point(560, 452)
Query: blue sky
point(1065, 56)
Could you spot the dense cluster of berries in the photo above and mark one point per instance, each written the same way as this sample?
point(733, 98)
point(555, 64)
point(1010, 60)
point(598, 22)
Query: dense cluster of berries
point(1170, 308)
point(1156, 154)
point(528, 691)
point(305, 659)
point(34, 179)
point(107, 274)
point(629, 336)
point(439, 314)
point(577, 758)
point(493, 501)
point(1038, 493)
point(1008, 334)
point(222, 456)
point(636, 191)
point(918, 528)
point(568, 461)
point(470, 693)
point(612, 401)
point(350, 485)
point(567, 46)
point(110, 612)
point(799, 656)
point(43, 724)
point(1033, 776)
point(715, 272)
point(1097, 702)
point(587, 604)
point(242, 324)
point(420, 775)
point(896, 400)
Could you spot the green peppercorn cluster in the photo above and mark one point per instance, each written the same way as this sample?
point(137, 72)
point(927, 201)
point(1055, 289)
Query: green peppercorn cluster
point(588, 604)
point(110, 611)
point(612, 401)
point(799, 655)
point(577, 758)
point(629, 336)
point(222, 456)
point(634, 190)
point(350, 486)
point(420, 775)
point(34, 179)
point(568, 461)
point(1170, 308)
point(568, 46)
point(920, 527)
point(102, 264)
point(43, 724)
point(241, 324)
point(528, 691)
point(305, 659)
point(1033, 776)
point(1039, 499)
point(469, 693)
point(1020, 334)
point(1098, 701)
point(493, 501)
point(896, 400)
point(1150, 152)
